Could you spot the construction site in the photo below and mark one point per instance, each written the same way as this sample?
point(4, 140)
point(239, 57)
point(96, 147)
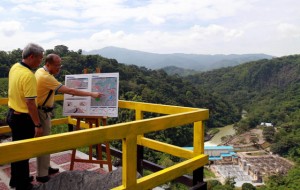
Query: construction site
point(250, 167)
point(245, 161)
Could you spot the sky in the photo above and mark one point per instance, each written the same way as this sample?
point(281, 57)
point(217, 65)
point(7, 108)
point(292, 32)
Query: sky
point(159, 26)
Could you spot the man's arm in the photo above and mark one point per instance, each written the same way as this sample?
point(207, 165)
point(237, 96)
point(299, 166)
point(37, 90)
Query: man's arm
point(33, 112)
point(66, 90)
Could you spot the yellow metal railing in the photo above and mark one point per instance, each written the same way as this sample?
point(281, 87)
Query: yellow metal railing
point(131, 134)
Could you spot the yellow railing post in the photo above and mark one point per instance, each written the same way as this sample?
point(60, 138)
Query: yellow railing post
point(198, 138)
point(138, 114)
point(129, 157)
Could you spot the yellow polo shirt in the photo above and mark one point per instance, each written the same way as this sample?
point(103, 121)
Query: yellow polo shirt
point(21, 86)
point(45, 83)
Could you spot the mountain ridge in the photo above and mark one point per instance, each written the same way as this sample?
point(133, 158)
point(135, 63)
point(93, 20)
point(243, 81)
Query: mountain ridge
point(197, 62)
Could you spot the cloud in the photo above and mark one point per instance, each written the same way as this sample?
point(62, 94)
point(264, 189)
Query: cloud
point(107, 35)
point(63, 23)
point(48, 9)
point(9, 28)
point(21, 38)
point(192, 26)
point(214, 32)
point(289, 30)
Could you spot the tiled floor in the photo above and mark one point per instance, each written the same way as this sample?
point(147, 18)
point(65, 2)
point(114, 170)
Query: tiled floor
point(58, 160)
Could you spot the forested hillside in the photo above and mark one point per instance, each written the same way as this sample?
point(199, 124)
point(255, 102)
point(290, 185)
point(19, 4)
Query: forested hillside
point(268, 90)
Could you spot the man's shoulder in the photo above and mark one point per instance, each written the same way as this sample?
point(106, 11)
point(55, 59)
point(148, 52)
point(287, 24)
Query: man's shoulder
point(43, 76)
point(17, 68)
point(41, 73)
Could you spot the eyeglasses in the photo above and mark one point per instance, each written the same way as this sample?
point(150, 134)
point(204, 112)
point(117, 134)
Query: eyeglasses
point(58, 66)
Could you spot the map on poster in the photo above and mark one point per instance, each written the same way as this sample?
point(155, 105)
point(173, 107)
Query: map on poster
point(106, 105)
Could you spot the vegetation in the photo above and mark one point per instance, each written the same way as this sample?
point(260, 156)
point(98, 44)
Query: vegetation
point(208, 174)
point(248, 186)
point(279, 182)
point(268, 91)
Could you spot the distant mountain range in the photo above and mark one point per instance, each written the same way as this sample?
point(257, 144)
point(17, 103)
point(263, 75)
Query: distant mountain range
point(197, 62)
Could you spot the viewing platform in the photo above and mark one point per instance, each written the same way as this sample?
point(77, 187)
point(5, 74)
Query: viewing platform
point(131, 133)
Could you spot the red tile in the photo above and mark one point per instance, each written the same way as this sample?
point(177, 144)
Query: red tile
point(79, 166)
point(61, 159)
point(3, 186)
point(7, 171)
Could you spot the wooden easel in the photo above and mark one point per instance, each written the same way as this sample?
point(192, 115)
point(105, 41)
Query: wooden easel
point(92, 120)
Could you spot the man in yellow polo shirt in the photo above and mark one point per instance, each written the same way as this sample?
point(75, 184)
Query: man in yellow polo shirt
point(22, 116)
point(47, 85)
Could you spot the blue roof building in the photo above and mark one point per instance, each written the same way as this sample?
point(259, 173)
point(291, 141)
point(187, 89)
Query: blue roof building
point(218, 153)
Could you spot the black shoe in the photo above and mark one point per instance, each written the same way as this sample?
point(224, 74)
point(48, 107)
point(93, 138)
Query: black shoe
point(29, 187)
point(12, 184)
point(26, 187)
point(31, 178)
point(52, 170)
point(42, 179)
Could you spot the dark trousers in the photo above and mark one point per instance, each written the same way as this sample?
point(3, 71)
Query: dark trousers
point(22, 127)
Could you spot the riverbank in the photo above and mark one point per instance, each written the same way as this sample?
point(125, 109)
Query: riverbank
point(223, 131)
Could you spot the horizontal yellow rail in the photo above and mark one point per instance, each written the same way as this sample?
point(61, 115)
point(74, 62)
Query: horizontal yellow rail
point(131, 133)
point(170, 173)
point(6, 129)
point(3, 101)
point(166, 148)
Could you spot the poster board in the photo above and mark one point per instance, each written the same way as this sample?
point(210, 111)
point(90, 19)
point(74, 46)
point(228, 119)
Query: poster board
point(106, 105)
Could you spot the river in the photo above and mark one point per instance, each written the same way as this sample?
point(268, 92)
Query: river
point(216, 140)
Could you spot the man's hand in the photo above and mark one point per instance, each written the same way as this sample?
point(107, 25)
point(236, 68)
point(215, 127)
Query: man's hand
point(96, 94)
point(38, 132)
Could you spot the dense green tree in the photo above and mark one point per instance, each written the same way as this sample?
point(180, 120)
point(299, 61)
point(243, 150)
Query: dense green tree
point(213, 183)
point(4, 71)
point(230, 181)
point(4, 58)
point(223, 187)
point(15, 56)
point(61, 50)
point(268, 133)
point(248, 186)
point(287, 141)
point(291, 181)
point(49, 51)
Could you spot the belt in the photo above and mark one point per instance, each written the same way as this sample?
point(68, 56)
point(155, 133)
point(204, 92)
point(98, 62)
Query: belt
point(45, 109)
point(16, 112)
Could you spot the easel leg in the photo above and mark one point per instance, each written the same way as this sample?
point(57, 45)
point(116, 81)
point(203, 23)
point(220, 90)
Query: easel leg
point(72, 159)
point(74, 150)
point(98, 147)
point(108, 157)
point(99, 150)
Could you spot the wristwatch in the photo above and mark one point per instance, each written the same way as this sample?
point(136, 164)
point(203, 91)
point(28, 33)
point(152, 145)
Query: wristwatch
point(39, 125)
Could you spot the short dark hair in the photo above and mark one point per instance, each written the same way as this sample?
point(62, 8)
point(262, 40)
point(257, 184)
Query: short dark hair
point(32, 49)
point(51, 58)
